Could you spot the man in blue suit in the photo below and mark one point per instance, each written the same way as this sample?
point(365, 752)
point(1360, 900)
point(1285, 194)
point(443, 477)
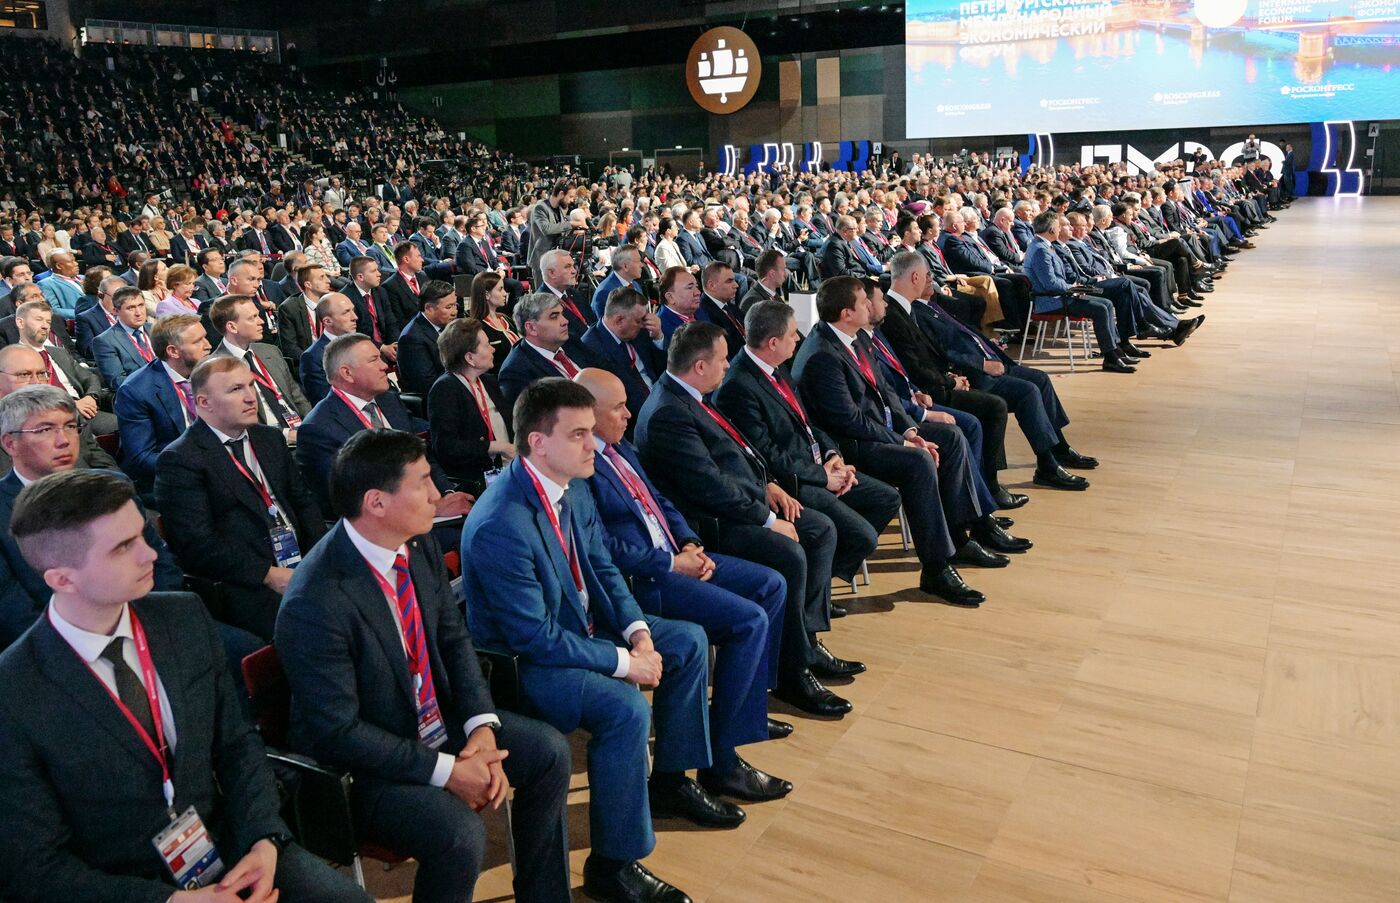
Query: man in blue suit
point(626, 270)
point(627, 342)
point(337, 316)
point(738, 603)
point(544, 349)
point(126, 346)
point(98, 318)
point(353, 246)
point(359, 399)
point(412, 724)
point(680, 301)
point(691, 244)
point(540, 584)
point(156, 403)
point(64, 289)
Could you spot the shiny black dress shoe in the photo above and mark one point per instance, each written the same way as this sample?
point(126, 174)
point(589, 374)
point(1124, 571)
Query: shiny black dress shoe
point(1068, 457)
point(1007, 500)
point(947, 584)
point(1005, 523)
point(1186, 327)
point(1194, 301)
point(778, 730)
point(1133, 351)
point(990, 534)
point(1153, 332)
point(824, 664)
point(1059, 478)
point(744, 782)
point(839, 611)
point(974, 555)
point(808, 695)
point(688, 800)
point(631, 883)
point(1119, 364)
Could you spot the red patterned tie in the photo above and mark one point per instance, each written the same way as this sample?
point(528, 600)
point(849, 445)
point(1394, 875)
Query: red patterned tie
point(415, 642)
point(566, 366)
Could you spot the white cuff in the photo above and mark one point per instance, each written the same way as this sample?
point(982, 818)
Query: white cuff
point(772, 519)
point(624, 663)
point(442, 770)
point(477, 721)
point(633, 628)
point(671, 569)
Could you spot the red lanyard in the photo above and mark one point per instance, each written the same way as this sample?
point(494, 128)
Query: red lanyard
point(146, 354)
point(569, 551)
point(354, 407)
point(156, 746)
point(260, 375)
point(479, 396)
point(257, 484)
point(791, 399)
point(887, 355)
point(863, 365)
point(728, 428)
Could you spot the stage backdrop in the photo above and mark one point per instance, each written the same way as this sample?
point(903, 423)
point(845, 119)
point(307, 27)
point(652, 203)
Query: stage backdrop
point(987, 67)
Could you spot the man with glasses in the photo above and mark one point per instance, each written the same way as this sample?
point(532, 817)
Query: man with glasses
point(39, 435)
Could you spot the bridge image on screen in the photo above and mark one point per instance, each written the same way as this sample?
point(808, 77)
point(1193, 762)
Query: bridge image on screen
point(996, 67)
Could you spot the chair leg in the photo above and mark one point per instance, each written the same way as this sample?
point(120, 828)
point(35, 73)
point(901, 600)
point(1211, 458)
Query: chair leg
point(1069, 342)
point(905, 538)
point(510, 837)
point(865, 572)
point(359, 869)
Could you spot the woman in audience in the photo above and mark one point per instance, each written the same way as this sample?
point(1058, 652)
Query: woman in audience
point(151, 281)
point(667, 253)
point(319, 251)
point(48, 243)
point(159, 238)
point(179, 283)
point(489, 297)
point(468, 419)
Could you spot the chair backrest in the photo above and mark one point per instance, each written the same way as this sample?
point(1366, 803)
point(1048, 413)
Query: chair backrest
point(462, 284)
point(269, 693)
point(110, 443)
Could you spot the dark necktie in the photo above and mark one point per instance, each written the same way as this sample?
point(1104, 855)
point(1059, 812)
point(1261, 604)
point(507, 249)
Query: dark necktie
point(375, 418)
point(235, 447)
point(130, 690)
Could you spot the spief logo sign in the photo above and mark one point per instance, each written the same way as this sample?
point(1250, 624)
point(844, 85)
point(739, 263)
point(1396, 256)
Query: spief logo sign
point(722, 70)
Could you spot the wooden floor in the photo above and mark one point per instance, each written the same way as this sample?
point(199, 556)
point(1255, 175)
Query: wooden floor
point(1189, 690)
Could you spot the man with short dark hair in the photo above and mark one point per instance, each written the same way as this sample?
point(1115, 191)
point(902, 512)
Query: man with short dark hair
point(627, 342)
point(156, 403)
point(137, 680)
point(281, 402)
point(541, 353)
point(719, 303)
point(297, 326)
point(555, 599)
point(419, 362)
point(336, 314)
point(125, 346)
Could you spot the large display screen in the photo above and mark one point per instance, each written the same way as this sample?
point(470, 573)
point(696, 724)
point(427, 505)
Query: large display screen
point(997, 67)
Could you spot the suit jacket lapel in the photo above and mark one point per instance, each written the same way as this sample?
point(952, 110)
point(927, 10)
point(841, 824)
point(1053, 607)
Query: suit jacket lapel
point(551, 542)
point(358, 584)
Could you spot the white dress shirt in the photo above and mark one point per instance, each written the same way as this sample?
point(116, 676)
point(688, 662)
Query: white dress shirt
point(498, 423)
point(555, 493)
point(382, 560)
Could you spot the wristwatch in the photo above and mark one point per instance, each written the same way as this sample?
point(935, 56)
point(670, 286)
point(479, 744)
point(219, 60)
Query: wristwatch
point(280, 841)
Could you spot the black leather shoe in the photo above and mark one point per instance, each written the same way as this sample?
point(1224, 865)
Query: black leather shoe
point(1008, 501)
point(1192, 302)
point(744, 782)
point(1059, 478)
point(993, 537)
point(630, 884)
point(1132, 351)
point(1186, 327)
point(808, 695)
point(974, 555)
point(825, 664)
point(1005, 523)
point(1119, 365)
point(1153, 332)
point(690, 801)
point(1068, 457)
point(947, 584)
point(839, 611)
point(778, 730)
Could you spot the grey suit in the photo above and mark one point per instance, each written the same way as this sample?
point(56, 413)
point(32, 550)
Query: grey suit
point(546, 224)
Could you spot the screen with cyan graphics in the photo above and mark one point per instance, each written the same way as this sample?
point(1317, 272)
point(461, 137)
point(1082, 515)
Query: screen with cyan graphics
point(996, 67)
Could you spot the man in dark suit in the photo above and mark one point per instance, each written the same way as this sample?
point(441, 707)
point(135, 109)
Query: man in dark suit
point(772, 273)
point(245, 277)
point(235, 508)
point(284, 236)
point(134, 238)
point(111, 672)
point(124, 347)
point(98, 318)
point(739, 604)
point(39, 436)
point(543, 350)
point(999, 236)
point(155, 404)
point(360, 399)
point(849, 398)
point(703, 464)
point(257, 239)
point(419, 362)
point(691, 244)
point(627, 342)
point(297, 326)
point(374, 316)
point(969, 255)
point(626, 270)
point(336, 315)
point(760, 398)
point(401, 289)
point(34, 329)
point(561, 281)
point(541, 585)
point(837, 257)
point(187, 243)
point(281, 402)
point(386, 683)
point(211, 282)
point(430, 246)
point(719, 303)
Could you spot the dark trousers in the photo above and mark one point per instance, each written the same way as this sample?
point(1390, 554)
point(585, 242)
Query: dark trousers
point(1100, 313)
point(913, 472)
point(448, 839)
point(740, 609)
point(957, 481)
point(990, 412)
point(1160, 284)
point(1030, 396)
point(1122, 294)
point(971, 429)
point(806, 566)
point(302, 878)
point(860, 516)
point(1014, 290)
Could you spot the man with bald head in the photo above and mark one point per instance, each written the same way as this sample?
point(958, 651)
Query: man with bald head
point(739, 604)
point(336, 314)
point(64, 288)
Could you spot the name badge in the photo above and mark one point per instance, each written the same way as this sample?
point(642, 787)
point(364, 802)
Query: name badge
point(816, 452)
point(431, 731)
point(284, 547)
point(188, 852)
point(889, 418)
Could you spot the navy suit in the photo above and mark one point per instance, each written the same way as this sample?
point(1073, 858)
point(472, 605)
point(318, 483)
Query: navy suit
point(740, 607)
point(523, 366)
point(419, 362)
point(606, 287)
point(727, 317)
point(91, 323)
point(312, 369)
point(639, 375)
point(1023, 233)
point(150, 416)
point(354, 707)
point(521, 599)
point(693, 250)
point(116, 355)
point(670, 322)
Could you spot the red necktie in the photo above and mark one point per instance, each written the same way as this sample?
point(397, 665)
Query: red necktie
point(53, 374)
point(865, 369)
point(566, 366)
point(415, 642)
point(187, 396)
point(373, 317)
point(412, 282)
point(639, 491)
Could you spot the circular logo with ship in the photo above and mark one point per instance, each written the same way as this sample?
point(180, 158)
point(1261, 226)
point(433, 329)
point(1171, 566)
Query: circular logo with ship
point(722, 70)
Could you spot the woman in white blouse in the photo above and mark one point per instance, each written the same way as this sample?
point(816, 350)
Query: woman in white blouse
point(319, 251)
point(667, 254)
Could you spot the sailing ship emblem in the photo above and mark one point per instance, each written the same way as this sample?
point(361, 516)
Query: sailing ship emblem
point(723, 70)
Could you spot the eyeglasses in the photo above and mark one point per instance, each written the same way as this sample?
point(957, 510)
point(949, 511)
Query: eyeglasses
point(46, 431)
